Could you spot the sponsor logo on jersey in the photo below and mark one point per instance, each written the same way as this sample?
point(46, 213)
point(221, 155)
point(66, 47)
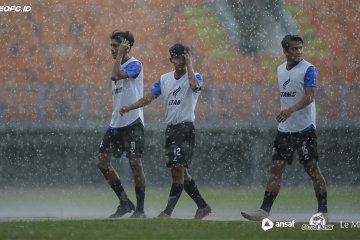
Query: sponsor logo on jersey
point(287, 94)
point(174, 102)
point(117, 90)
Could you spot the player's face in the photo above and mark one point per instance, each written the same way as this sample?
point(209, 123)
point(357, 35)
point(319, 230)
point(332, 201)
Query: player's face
point(295, 52)
point(179, 63)
point(114, 44)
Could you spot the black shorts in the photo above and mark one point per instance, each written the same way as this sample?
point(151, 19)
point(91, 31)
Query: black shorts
point(128, 139)
point(179, 144)
point(286, 144)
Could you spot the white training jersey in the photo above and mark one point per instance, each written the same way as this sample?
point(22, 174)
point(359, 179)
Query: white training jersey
point(179, 99)
point(127, 91)
point(292, 85)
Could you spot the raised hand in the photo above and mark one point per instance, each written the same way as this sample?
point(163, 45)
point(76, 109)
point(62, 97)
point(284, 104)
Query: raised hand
point(188, 59)
point(123, 48)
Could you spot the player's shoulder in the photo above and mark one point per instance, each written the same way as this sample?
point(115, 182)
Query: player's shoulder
point(167, 75)
point(133, 61)
point(197, 74)
point(282, 66)
point(306, 63)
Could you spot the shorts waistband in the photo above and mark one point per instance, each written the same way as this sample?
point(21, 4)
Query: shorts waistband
point(297, 133)
point(180, 124)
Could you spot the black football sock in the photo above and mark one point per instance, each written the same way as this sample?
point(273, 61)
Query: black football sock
point(120, 192)
point(175, 192)
point(269, 198)
point(192, 190)
point(322, 202)
point(140, 197)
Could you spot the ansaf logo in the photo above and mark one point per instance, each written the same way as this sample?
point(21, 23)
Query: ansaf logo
point(267, 224)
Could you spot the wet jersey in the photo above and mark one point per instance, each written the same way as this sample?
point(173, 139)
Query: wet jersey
point(179, 99)
point(127, 91)
point(292, 85)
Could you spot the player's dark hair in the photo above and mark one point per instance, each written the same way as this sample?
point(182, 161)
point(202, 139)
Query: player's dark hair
point(178, 50)
point(285, 43)
point(120, 36)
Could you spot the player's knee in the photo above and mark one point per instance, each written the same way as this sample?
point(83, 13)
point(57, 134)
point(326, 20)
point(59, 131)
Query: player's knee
point(187, 176)
point(135, 164)
point(103, 161)
point(277, 171)
point(311, 171)
point(102, 165)
point(177, 173)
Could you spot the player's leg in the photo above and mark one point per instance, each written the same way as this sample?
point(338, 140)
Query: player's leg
point(190, 186)
point(271, 192)
point(273, 184)
point(319, 184)
point(139, 180)
point(111, 176)
point(174, 155)
point(177, 187)
point(135, 147)
point(308, 156)
point(282, 156)
point(192, 190)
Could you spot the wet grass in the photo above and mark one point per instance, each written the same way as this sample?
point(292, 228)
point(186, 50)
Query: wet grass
point(234, 199)
point(161, 229)
point(224, 198)
point(293, 200)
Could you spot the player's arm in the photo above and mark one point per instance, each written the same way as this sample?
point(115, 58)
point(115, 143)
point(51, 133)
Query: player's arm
point(310, 84)
point(116, 73)
point(146, 100)
point(305, 101)
point(193, 81)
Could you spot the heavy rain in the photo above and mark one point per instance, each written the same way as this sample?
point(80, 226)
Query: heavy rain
point(56, 104)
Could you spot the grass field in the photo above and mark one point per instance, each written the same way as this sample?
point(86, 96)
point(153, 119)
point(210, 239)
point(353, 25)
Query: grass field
point(161, 229)
point(82, 214)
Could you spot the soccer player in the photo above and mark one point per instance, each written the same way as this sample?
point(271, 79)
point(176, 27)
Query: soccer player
point(297, 80)
point(125, 133)
point(181, 89)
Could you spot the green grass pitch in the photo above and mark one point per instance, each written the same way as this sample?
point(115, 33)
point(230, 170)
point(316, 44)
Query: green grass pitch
point(161, 229)
point(22, 215)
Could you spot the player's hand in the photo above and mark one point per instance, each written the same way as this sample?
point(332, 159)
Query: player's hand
point(124, 110)
point(188, 59)
point(123, 48)
point(284, 115)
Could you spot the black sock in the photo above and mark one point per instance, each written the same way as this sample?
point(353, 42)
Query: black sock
point(140, 197)
point(192, 190)
point(322, 202)
point(175, 192)
point(269, 198)
point(120, 192)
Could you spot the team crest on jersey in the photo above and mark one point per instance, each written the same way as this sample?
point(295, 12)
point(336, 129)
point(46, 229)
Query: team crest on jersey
point(175, 101)
point(286, 83)
point(176, 91)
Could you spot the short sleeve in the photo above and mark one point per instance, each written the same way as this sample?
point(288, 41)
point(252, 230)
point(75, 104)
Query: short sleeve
point(311, 75)
point(200, 80)
point(156, 89)
point(133, 69)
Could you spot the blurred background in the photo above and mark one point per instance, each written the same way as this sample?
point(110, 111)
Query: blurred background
point(55, 87)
